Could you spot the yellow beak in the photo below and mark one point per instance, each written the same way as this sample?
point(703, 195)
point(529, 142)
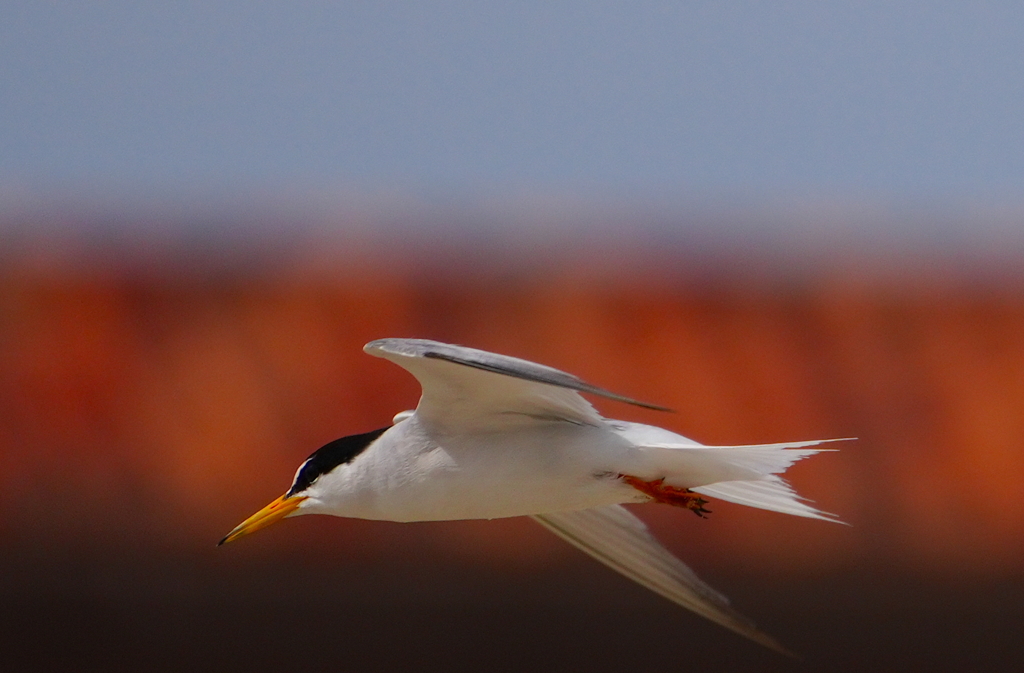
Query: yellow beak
point(275, 511)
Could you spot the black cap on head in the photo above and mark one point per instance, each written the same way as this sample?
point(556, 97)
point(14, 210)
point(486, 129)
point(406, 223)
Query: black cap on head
point(330, 456)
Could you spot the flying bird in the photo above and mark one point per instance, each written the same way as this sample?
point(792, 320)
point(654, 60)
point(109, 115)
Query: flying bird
point(496, 436)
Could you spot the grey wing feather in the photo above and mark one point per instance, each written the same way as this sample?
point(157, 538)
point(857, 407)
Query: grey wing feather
point(615, 537)
point(499, 364)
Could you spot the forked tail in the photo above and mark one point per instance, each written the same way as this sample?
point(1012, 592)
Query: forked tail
point(746, 475)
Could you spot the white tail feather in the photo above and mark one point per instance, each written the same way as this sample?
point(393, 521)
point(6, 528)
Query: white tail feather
point(770, 492)
point(744, 474)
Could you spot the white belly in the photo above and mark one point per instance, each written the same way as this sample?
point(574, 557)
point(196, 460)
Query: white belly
point(548, 467)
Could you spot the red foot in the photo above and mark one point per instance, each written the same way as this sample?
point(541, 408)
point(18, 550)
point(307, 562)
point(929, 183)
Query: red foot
point(670, 495)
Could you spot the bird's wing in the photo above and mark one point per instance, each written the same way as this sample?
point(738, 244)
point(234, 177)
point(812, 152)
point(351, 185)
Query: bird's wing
point(466, 388)
point(615, 537)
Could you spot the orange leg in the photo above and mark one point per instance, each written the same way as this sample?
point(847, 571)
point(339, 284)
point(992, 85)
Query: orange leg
point(670, 495)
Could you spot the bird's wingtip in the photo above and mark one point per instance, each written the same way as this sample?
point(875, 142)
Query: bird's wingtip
point(762, 638)
point(373, 347)
point(396, 346)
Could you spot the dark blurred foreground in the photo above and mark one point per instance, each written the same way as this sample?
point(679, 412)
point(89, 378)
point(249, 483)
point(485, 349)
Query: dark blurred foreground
point(216, 614)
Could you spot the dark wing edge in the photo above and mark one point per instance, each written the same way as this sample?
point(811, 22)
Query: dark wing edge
point(500, 364)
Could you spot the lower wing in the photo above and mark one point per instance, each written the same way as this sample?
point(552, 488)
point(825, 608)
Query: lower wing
point(615, 537)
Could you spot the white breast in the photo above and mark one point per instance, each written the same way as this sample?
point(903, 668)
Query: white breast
point(411, 474)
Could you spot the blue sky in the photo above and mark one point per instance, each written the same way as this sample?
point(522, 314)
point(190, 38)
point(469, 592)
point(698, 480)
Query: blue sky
point(914, 100)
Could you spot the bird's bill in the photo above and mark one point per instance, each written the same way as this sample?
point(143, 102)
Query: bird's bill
point(275, 511)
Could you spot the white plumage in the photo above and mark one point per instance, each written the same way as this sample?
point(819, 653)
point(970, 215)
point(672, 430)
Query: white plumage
point(495, 436)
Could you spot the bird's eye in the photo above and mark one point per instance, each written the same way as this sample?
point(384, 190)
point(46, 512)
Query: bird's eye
point(330, 456)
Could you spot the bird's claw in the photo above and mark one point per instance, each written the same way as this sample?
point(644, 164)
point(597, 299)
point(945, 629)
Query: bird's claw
point(670, 495)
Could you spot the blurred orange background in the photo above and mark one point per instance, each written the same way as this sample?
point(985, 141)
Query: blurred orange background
point(154, 391)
